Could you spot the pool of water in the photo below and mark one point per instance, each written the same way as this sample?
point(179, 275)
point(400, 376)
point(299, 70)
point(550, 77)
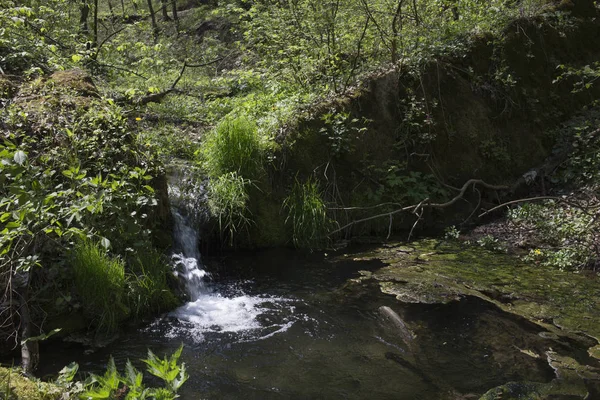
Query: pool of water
point(280, 324)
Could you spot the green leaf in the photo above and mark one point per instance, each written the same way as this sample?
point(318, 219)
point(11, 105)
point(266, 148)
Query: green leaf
point(20, 157)
point(41, 337)
point(68, 372)
point(104, 242)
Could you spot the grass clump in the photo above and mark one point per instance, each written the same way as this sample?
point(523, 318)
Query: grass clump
point(234, 146)
point(228, 202)
point(307, 214)
point(148, 285)
point(100, 283)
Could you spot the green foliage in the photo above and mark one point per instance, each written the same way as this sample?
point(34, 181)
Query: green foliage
point(307, 215)
point(130, 385)
point(71, 169)
point(100, 283)
point(451, 233)
point(148, 289)
point(489, 242)
point(167, 369)
point(400, 186)
point(233, 147)
point(339, 130)
point(228, 202)
point(169, 141)
point(15, 386)
point(26, 27)
point(583, 78)
point(563, 235)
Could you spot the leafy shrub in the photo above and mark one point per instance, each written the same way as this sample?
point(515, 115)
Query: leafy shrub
point(307, 214)
point(114, 385)
point(564, 234)
point(228, 202)
point(234, 146)
point(100, 282)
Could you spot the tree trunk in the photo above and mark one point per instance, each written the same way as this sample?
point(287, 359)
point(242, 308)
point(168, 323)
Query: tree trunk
point(416, 11)
point(174, 8)
point(154, 24)
point(175, 16)
point(29, 348)
point(165, 14)
point(395, 30)
point(95, 43)
point(84, 8)
point(110, 7)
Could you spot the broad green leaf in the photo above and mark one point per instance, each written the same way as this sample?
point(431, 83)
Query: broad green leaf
point(20, 157)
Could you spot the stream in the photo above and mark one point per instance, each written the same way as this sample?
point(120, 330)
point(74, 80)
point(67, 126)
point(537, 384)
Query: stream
point(281, 324)
point(285, 324)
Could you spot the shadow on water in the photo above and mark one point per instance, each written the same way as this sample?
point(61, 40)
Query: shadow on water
point(295, 331)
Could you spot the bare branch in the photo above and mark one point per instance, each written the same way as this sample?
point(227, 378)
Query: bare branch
point(417, 208)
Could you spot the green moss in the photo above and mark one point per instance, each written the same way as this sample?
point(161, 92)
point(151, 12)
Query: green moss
point(565, 303)
point(14, 386)
point(269, 227)
point(74, 81)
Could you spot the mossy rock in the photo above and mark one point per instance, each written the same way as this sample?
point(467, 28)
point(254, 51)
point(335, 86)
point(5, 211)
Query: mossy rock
point(564, 303)
point(75, 81)
point(14, 386)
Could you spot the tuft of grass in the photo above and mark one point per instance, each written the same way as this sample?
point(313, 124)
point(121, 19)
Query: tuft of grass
point(100, 283)
point(307, 214)
point(234, 146)
point(228, 202)
point(148, 285)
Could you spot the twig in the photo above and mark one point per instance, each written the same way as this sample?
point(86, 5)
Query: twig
point(108, 37)
point(119, 69)
point(419, 216)
point(365, 208)
point(474, 209)
point(508, 203)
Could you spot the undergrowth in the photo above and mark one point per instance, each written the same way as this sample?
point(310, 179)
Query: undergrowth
point(148, 286)
point(228, 203)
point(233, 147)
point(563, 232)
point(307, 215)
point(100, 283)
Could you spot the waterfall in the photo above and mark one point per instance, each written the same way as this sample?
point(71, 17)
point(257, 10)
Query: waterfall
point(208, 310)
point(187, 263)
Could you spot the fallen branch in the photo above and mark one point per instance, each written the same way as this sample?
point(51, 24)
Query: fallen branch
point(418, 208)
point(565, 200)
point(508, 203)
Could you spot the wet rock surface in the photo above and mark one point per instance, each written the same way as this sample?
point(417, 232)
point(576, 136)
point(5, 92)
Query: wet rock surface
point(538, 326)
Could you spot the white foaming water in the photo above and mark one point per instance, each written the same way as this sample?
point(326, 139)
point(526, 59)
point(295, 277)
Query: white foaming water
point(209, 311)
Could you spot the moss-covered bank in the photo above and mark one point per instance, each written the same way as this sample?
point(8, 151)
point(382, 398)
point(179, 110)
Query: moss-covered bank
point(481, 110)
